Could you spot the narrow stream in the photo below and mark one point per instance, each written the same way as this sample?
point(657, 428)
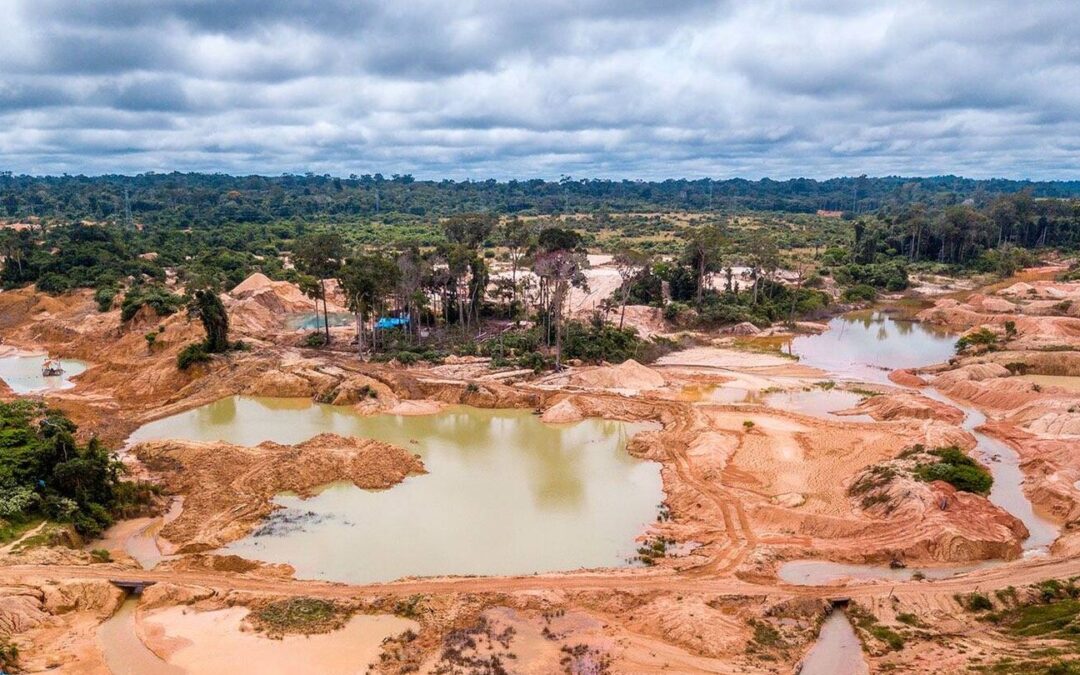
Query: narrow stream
point(865, 347)
point(124, 652)
point(1007, 491)
point(838, 650)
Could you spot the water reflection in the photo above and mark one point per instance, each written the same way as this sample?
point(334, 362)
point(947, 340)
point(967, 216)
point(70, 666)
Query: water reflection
point(867, 345)
point(505, 493)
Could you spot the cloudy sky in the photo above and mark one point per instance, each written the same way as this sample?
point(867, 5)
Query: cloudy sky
point(611, 88)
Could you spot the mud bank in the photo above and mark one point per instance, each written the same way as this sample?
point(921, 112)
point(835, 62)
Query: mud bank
point(229, 488)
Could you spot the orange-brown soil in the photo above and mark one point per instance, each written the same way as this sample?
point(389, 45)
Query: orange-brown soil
point(228, 488)
point(746, 487)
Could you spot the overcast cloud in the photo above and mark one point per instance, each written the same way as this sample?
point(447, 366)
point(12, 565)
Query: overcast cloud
point(611, 88)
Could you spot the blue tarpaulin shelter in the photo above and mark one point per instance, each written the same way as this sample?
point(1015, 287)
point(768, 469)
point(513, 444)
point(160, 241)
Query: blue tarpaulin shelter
point(388, 322)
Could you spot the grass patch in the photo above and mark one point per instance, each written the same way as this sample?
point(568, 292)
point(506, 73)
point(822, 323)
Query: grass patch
point(11, 531)
point(908, 619)
point(304, 616)
point(867, 623)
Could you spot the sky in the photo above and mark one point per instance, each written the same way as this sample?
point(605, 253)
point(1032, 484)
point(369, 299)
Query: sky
point(646, 89)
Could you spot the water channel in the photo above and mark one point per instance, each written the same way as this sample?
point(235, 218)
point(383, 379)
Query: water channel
point(837, 651)
point(863, 347)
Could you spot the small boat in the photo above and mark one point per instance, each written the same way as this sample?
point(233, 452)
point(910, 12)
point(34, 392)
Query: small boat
point(51, 368)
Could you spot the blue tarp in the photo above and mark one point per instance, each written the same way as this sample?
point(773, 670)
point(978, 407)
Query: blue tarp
point(387, 322)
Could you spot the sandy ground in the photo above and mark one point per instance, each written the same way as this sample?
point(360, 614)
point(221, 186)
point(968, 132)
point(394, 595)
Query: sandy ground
point(741, 497)
point(216, 642)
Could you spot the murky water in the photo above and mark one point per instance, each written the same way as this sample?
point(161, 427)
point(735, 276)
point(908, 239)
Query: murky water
point(818, 402)
point(124, 652)
point(1070, 382)
point(823, 572)
point(867, 345)
point(313, 321)
point(505, 493)
point(1007, 491)
point(838, 650)
point(22, 373)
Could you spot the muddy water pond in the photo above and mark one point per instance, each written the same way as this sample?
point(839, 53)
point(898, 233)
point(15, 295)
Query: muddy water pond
point(22, 372)
point(867, 345)
point(504, 493)
point(124, 652)
point(823, 572)
point(313, 321)
point(818, 402)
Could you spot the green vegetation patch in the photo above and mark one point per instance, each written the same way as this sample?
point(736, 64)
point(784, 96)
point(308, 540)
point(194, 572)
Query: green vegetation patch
point(45, 473)
point(299, 616)
point(957, 469)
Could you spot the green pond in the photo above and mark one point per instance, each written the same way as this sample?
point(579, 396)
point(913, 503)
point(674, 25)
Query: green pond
point(504, 493)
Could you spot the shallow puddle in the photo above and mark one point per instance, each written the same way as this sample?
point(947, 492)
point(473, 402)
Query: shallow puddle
point(22, 372)
point(838, 650)
point(504, 493)
point(216, 642)
point(823, 572)
point(1070, 382)
point(867, 345)
point(818, 402)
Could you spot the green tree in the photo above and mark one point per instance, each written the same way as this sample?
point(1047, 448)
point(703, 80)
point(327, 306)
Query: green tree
point(367, 281)
point(703, 252)
point(208, 308)
point(516, 235)
point(631, 264)
point(559, 264)
point(320, 255)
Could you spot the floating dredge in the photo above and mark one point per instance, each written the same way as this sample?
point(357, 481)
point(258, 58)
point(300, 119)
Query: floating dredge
point(51, 368)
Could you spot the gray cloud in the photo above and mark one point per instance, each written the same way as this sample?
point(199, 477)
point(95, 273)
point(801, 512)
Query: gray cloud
point(623, 88)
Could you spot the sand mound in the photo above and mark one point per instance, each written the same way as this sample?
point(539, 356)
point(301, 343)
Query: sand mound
point(563, 412)
point(627, 375)
point(256, 282)
point(905, 406)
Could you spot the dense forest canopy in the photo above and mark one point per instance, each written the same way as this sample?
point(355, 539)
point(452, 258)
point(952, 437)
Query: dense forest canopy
point(194, 199)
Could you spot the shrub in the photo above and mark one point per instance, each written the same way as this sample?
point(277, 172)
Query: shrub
point(982, 337)
point(159, 298)
point(535, 361)
point(104, 297)
point(956, 469)
point(977, 602)
point(53, 283)
point(192, 354)
point(600, 341)
point(860, 293)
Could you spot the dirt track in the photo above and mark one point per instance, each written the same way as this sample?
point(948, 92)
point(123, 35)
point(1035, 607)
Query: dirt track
point(751, 496)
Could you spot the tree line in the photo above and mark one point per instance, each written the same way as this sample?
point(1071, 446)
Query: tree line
point(199, 200)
